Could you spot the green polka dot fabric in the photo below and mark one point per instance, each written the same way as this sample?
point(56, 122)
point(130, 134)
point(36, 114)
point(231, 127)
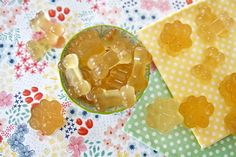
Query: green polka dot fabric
point(180, 142)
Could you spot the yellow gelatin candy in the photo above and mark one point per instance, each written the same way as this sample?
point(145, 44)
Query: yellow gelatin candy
point(175, 37)
point(163, 115)
point(138, 76)
point(105, 99)
point(227, 90)
point(230, 121)
point(196, 111)
point(74, 76)
point(212, 59)
point(47, 117)
point(86, 45)
point(118, 76)
point(210, 25)
point(37, 49)
point(101, 64)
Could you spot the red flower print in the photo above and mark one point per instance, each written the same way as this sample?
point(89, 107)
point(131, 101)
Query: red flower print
point(18, 75)
point(95, 7)
point(17, 10)
point(123, 137)
point(110, 131)
point(1, 138)
point(77, 146)
point(121, 123)
point(3, 11)
point(20, 44)
point(107, 143)
point(26, 2)
point(11, 21)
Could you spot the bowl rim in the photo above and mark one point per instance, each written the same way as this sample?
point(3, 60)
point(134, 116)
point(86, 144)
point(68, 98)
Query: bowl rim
point(61, 77)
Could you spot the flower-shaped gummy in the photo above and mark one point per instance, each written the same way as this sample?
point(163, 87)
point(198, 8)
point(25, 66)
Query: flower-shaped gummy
point(47, 117)
point(175, 37)
point(163, 115)
point(196, 111)
point(230, 121)
point(227, 89)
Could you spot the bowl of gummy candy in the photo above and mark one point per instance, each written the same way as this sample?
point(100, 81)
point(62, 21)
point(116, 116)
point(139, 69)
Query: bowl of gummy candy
point(104, 69)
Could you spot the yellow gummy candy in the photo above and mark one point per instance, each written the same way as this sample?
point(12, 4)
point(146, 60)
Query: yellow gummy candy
point(74, 76)
point(212, 59)
point(138, 76)
point(47, 117)
point(163, 115)
point(210, 25)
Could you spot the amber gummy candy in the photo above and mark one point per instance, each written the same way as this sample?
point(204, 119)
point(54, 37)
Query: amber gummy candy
point(227, 89)
point(230, 121)
point(196, 111)
point(163, 115)
point(175, 37)
point(211, 25)
point(47, 117)
point(86, 45)
point(212, 59)
point(138, 75)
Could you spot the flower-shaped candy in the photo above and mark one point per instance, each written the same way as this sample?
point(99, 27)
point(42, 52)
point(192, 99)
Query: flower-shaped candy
point(230, 121)
point(175, 37)
point(163, 115)
point(196, 111)
point(228, 89)
point(47, 117)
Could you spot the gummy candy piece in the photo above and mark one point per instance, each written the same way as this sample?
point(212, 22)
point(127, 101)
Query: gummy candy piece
point(86, 45)
point(47, 117)
point(118, 76)
point(101, 64)
point(138, 76)
point(213, 58)
point(175, 37)
point(227, 89)
point(163, 115)
point(210, 25)
point(105, 99)
point(230, 121)
point(53, 36)
point(74, 76)
point(196, 111)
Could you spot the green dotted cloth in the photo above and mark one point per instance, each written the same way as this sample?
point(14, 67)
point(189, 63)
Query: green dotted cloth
point(180, 142)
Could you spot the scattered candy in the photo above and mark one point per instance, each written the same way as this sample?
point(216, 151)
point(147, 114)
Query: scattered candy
point(213, 58)
point(66, 11)
point(230, 121)
point(74, 76)
point(138, 76)
point(61, 17)
point(163, 115)
point(47, 117)
point(210, 25)
point(227, 89)
point(196, 111)
point(52, 13)
point(53, 36)
point(175, 37)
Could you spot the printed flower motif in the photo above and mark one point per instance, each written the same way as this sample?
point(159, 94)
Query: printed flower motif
point(1, 138)
point(124, 138)
point(3, 11)
point(102, 12)
point(22, 129)
point(163, 5)
point(115, 11)
point(2, 122)
point(26, 152)
point(5, 99)
point(196, 111)
point(15, 141)
point(117, 147)
point(17, 10)
point(163, 115)
point(107, 143)
point(77, 146)
point(147, 4)
point(11, 21)
point(110, 131)
point(121, 123)
point(175, 37)
point(38, 35)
